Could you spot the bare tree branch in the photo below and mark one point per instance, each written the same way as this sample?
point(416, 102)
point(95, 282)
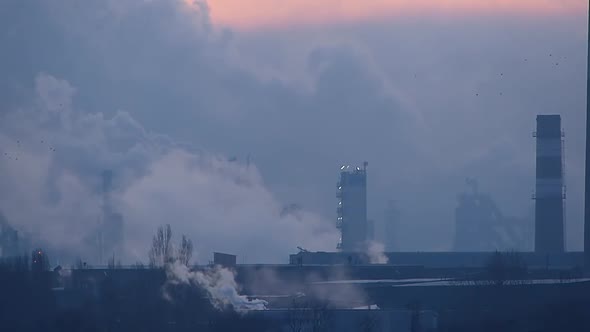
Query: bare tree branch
point(162, 250)
point(185, 252)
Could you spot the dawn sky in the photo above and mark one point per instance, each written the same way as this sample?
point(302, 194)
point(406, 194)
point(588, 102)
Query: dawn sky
point(261, 13)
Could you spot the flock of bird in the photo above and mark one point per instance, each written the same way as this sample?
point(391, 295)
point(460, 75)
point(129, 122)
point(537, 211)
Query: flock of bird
point(526, 60)
point(17, 151)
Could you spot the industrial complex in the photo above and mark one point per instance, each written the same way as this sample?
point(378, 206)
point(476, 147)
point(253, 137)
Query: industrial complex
point(478, 285)
point(346, 289)
point(478, 219)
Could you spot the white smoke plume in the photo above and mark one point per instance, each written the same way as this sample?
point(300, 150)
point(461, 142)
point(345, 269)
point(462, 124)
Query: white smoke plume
point(376, 253)
point(52, 155)
point(220, 285)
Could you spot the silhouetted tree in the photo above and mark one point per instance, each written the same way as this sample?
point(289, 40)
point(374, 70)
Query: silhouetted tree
point(305, 316)
point(112, 264)
point(298, 316)
point(185, 252)
point(161, 251)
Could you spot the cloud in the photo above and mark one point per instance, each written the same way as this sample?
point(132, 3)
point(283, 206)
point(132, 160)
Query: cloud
point(55, 94)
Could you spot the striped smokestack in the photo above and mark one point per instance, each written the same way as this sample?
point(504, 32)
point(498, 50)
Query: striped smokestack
point(549, 212)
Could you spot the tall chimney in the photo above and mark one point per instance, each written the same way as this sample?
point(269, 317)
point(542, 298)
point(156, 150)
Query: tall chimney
point(549, 194)
point(587, 175)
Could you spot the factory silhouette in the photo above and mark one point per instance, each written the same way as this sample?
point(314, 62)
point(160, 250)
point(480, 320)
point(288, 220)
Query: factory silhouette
point(480, 225)
point(485, 283)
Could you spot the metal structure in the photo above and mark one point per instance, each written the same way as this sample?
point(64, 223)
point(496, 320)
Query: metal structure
point(352, 208)
point(587, 171)
point(481, 226)
point(225, 260)
point(550, 191)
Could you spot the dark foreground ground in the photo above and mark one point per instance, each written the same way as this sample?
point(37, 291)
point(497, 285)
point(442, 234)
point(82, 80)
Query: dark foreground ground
point(140, 300)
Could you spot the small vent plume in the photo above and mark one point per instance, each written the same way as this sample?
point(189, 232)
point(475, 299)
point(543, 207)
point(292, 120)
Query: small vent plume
point(220, 285)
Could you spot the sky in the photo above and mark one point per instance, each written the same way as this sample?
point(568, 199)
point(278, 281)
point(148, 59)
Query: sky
point(167, 92)
point(262, 14)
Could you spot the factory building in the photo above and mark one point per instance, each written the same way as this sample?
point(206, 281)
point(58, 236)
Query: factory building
point(549, 193)
point(352, 208)
point(435, 260)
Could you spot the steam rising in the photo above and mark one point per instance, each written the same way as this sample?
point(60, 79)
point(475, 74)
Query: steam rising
point(376, 253)
point(220, 285)
point(53, 155)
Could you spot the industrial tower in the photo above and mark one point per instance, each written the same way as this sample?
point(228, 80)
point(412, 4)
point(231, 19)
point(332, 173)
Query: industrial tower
point(550, 191)
point(110, 228)
point(352, 208)
point(587, 168)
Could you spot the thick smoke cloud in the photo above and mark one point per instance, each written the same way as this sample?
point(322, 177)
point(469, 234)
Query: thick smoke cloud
point(417, 97)
point(54, 156)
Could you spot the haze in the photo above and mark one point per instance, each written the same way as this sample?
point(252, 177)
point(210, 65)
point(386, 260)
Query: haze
point(214, 117)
